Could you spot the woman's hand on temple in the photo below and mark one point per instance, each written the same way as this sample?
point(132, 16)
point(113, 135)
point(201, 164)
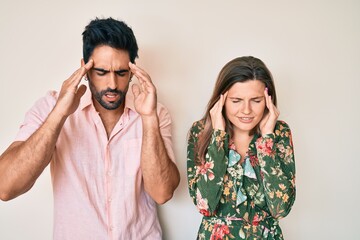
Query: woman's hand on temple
point(268, 122)
point(217, 119)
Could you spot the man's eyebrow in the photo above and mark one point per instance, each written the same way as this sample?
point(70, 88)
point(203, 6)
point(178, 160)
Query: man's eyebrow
point(101, 70)
point(107, 71)
point(121, 71)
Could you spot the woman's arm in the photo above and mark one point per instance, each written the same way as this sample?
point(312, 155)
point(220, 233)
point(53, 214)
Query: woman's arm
point(206, 179)
point(276, 157)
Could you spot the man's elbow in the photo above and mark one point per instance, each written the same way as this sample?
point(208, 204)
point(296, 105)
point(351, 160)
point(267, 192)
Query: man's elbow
point(6, 196)
point(9, 193)
point(163, 199)
point(166, 195)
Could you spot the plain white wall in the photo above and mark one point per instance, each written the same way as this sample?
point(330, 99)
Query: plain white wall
point(311, 47)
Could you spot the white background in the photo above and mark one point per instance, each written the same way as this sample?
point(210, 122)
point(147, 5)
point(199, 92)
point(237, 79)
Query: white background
point(311, 47)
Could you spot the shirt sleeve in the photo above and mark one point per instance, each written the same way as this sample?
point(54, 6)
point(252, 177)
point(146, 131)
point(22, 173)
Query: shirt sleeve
point(165, 129)
point(205, 178)
point(276, 157)
point(36, 116)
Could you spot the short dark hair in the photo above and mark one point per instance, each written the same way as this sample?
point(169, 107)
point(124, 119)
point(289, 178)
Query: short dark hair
point(109, 32)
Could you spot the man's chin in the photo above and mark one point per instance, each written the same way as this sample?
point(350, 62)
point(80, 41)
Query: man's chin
point(111, 105)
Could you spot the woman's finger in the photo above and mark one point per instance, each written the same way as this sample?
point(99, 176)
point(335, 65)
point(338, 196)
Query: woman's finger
point(224, 98)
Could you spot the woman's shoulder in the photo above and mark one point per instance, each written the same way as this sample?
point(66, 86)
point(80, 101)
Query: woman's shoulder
point(281, 128)
point(198, 126)
point(281, 124)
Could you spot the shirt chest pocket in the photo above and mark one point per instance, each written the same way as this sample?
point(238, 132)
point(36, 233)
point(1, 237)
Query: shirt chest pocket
point(132, 156)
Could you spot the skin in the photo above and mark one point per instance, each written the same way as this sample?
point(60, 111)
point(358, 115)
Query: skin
point(110, 72)
point(23, 162)
point(160, 174)
point(245, 103)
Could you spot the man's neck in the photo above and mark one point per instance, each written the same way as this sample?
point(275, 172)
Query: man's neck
point(109, 118)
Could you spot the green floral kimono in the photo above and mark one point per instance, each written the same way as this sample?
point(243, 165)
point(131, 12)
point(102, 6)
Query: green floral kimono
point(242, 201)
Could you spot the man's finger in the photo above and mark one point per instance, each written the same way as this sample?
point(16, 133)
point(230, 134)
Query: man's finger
point(84, 69)
point(136, 90)
point(80, 92)
point(141, 74)
point(79, 74)
point(139, 70)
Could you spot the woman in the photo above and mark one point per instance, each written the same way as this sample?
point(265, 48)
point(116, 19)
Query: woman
point(241, 169)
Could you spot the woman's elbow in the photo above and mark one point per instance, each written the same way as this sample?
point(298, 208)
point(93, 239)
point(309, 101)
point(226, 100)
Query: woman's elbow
point(281, 210)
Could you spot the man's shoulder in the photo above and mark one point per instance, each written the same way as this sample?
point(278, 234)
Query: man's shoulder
point(162, 110)
point(47, 100)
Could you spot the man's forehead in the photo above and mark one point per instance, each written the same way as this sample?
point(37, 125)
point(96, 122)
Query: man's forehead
point(107, 57)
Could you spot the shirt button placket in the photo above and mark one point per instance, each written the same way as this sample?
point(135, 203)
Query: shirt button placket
point(108, 189)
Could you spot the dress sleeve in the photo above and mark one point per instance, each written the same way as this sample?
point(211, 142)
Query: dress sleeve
point(205, 179)
point(276, 157)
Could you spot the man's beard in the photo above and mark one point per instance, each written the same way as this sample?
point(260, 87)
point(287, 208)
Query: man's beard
point(109, 105)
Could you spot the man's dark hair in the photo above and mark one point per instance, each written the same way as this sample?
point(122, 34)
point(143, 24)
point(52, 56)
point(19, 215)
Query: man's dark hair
point(109, 32)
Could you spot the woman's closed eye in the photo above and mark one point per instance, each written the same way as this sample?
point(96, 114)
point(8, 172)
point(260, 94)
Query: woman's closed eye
point(235, 100)
point(258, 99)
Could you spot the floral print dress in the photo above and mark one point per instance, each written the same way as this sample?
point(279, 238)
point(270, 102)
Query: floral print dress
point(242, 199)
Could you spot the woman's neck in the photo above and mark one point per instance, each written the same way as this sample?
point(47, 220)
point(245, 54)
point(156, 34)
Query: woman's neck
point(242, 141)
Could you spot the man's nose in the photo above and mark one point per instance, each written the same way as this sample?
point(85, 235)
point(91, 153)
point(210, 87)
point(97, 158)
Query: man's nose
point(112, 81)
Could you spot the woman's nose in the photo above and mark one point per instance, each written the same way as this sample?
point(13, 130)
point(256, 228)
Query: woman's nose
point(246, 108)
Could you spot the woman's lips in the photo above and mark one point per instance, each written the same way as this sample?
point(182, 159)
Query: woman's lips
point(246, 119)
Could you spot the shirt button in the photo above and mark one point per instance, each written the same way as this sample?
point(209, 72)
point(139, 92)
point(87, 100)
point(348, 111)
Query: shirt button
point(109, 173)
point(110, 199)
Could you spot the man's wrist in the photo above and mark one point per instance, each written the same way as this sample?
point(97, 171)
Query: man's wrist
point(150, 120)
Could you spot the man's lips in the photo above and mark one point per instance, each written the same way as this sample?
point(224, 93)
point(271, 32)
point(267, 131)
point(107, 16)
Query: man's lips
point(111, 96)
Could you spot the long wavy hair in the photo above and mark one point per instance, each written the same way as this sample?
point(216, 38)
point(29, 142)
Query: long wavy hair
point(241, 69)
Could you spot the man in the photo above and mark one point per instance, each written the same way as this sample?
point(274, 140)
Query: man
point(109, 149)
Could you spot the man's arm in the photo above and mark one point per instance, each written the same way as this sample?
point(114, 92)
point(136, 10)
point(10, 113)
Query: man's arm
point(160, 174)
point(23, 162)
